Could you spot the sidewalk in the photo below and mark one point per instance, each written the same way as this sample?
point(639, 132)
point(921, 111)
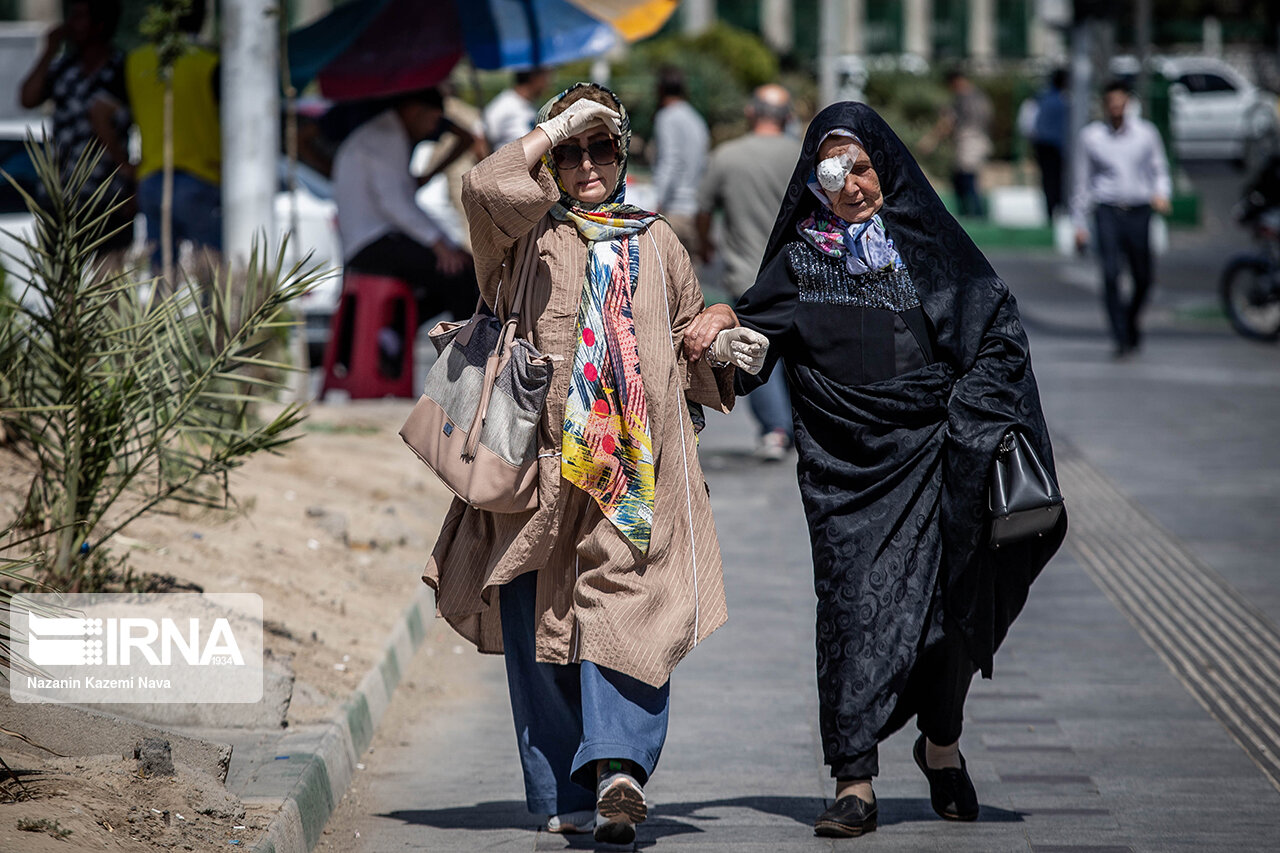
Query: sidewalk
point(1084, 741)
point(1135, 702)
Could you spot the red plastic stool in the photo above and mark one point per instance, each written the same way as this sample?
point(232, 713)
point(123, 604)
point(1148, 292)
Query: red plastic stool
point(352, 361)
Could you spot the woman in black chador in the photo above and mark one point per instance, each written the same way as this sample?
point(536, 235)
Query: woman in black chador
point(908, 364)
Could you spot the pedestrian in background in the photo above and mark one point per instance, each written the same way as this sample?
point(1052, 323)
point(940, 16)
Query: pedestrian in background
point(82, 73)
point(1121, 175)
point(907, 364)
point(681, 139)
point(382, 228)
point(966, 122)
point(746, 179)
point(512, 113)
point(197, 143)
point(1049, 139)
point(596, 595)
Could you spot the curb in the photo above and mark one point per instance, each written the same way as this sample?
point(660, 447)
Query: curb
point(315, 767)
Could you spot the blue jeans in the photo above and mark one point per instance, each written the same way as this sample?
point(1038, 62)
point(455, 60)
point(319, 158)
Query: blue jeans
point(771, 403)
point(197, 212)
point(568, 716)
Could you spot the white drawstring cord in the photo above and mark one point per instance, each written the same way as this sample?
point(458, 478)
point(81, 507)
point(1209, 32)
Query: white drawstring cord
point(684, 453)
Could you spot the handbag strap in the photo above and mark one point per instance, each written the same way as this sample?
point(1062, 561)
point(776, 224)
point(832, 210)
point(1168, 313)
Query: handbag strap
point(503, 344)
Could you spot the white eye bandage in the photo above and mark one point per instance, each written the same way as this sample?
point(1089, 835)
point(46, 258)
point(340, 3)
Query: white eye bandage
point(832, 172)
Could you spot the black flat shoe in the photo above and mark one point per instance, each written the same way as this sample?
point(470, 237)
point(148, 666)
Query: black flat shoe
point(950, 789)
point(848, 818)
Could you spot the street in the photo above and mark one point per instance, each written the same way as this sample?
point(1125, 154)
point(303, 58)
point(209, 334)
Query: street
point(1135, 705)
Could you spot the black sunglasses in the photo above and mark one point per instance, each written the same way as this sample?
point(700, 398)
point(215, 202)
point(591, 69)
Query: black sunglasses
point(603, 152)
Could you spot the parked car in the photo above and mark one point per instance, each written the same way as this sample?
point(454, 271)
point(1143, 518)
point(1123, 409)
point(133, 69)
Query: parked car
point(1216, 112)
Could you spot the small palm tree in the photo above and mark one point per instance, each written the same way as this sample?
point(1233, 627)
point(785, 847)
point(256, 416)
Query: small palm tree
point(125, 401)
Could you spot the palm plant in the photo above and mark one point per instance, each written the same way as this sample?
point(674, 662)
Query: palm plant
point(126, 401)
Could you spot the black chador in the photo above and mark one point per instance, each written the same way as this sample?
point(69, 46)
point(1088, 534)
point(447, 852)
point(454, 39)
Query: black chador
point(903, 382)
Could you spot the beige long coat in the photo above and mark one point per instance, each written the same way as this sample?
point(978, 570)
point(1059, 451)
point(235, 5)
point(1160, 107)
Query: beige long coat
point(598, 598)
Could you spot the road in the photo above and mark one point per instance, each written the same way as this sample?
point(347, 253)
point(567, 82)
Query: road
point(1135, 702)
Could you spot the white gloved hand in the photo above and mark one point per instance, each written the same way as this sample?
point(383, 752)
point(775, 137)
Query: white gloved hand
point(580, 116)
point(743, 348)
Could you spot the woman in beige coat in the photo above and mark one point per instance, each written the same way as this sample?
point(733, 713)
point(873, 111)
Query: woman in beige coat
point(596, 595)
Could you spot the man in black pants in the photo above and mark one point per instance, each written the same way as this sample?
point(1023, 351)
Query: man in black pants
point(383, 229)
point(1121, 174)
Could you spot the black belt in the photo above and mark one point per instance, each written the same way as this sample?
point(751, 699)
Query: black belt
point(1125, 207)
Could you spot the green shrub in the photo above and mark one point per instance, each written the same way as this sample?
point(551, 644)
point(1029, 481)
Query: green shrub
point(123, 402)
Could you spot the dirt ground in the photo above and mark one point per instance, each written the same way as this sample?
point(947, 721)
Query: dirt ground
point(332, 534)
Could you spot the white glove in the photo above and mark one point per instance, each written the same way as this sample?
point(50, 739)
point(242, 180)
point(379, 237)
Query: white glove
point(580, 116)
point(743, 348)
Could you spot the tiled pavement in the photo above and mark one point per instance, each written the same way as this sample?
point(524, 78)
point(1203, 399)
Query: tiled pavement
point(1086, 741)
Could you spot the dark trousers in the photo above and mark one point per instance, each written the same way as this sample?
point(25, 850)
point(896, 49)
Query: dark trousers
point(1124, 233)
point(965, 185)
point(1049, 158)
point(407, 259)
point(935, 694)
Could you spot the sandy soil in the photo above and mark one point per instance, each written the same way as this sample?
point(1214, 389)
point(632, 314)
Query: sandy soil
point(332, 534)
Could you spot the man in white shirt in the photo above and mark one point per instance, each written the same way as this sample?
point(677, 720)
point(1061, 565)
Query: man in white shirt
point(383, 230)
point(513, 113)
point(1120, 175)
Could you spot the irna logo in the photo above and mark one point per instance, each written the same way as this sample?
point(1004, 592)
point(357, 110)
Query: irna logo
point(125, 641)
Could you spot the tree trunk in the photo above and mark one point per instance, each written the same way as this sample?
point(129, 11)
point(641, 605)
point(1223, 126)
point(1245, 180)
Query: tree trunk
point(166, 198)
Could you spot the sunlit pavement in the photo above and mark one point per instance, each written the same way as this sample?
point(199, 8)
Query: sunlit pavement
point(1135, 702)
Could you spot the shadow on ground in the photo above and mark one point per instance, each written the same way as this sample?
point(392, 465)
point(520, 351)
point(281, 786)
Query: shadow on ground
point(677, 818)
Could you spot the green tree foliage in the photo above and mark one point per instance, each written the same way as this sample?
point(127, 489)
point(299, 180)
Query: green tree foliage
point(125, 402)
point(721, 67)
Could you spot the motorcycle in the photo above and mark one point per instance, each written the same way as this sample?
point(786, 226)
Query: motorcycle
point(1250, 283)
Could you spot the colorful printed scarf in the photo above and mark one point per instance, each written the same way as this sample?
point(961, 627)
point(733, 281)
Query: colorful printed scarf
point(866, 246)
point(606, 447)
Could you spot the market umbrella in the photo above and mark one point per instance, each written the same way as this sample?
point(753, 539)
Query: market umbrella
point(372, 48)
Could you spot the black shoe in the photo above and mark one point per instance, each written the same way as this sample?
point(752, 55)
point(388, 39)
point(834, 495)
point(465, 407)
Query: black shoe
point(950, 789)
point(848, 818)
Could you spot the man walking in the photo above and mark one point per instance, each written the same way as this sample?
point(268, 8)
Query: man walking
point(1049, 138)
point(967, 123)
point(746, 179)
point(1121, 175)
point(682, 138)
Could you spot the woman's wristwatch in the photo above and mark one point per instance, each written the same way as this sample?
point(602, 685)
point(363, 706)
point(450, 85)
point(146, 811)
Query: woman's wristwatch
point(712, 359)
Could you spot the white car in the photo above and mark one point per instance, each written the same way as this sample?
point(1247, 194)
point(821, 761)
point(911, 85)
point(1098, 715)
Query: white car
point(1216, 112)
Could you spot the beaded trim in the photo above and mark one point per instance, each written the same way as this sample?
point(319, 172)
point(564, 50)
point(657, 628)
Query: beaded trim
point(827, 281)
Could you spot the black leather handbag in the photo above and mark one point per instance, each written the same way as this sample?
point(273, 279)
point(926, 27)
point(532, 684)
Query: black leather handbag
point(1025, 500)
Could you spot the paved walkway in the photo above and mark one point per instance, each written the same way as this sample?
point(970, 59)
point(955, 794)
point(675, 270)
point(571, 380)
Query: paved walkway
point(1134, 705)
